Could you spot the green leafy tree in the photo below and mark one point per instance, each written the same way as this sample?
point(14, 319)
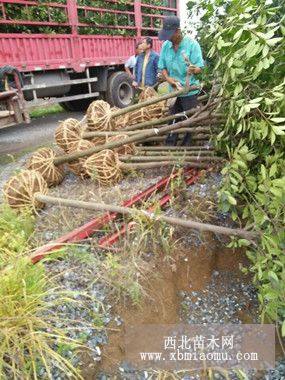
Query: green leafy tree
point(245, 45)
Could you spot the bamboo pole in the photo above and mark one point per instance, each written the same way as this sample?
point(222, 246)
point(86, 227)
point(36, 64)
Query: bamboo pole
point(173, 153)
point(136, 138)
point(162, 138)
point(165, 120)
point(158, 164)
point(184, 158)
point(130, 211)
point(175, 148)
point(191, 130)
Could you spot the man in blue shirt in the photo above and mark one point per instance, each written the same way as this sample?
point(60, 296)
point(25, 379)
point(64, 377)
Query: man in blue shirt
point(180, 61)
point(131, 62)
point(147, 65)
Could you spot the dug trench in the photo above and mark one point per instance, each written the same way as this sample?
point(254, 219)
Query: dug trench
point(181, 290)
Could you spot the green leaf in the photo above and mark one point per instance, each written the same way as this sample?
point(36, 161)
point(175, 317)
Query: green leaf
point(263, 172)
point(273, 170)
point(273, 276)
point(232, 200)
point(283, 329)
point(265, 51)
point(272, 137)
point(276, 191)
point(278, 129)
point(278, 119)
point(238, 89)
point(274, 41)
point(237, 34)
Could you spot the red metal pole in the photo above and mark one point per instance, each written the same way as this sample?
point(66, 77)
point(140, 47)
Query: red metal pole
point(138, 18)
point(89, 228)
point(72, 16)
point(112, 238)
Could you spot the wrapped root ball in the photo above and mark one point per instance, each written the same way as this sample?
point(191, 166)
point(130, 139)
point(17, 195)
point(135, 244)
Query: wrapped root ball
point(147, 93)
point(139, 116)
point(19, 191)
point(155, 110)
point(104, 167)
point(122, 121)
point(96, 141)
point(42, 162)
point(77, 166)
point(124, 149)
point(99, 116)
point(66, 133)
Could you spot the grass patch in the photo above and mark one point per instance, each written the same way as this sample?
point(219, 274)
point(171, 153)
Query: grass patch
point(15, 232)
point(45, 111)
point(35, 333)
point(28, 336)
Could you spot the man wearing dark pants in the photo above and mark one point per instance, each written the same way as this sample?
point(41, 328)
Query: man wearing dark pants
point(180, 61)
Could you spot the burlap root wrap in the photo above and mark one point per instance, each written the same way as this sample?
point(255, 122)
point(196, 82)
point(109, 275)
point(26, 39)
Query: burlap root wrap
point(122, 121)
point(139, 116)
point(155, 110)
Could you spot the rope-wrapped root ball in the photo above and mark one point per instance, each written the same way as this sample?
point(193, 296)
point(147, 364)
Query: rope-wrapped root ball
point(98, 141)
point(155, 110)
point(104, 167)
point(124, 149)
point(42, 161)
point(147, 93)
point(67, 132)
point(77, 166)
point(122, 121)
point(99, 116)
point(20, 189)
point(140, 115)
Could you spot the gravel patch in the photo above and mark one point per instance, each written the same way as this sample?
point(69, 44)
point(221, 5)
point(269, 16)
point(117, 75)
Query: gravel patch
point(223, 300)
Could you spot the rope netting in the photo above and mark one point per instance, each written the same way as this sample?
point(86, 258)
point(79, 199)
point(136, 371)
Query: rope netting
point(77, 166)
point(104, 167)
point(19, 191)
point(42, 162)
point(99, 116)
point(124, 149)
point(67, 132)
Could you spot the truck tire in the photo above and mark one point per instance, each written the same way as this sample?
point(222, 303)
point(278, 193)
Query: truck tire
point(120, 92)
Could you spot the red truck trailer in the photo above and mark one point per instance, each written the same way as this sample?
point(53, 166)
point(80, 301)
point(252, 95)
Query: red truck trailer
point(56, 61)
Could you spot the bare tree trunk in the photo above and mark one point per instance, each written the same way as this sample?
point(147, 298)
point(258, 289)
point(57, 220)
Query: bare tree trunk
point(130, 211)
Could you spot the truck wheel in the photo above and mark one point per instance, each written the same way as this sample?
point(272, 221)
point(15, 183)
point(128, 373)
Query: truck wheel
point(120, 92)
